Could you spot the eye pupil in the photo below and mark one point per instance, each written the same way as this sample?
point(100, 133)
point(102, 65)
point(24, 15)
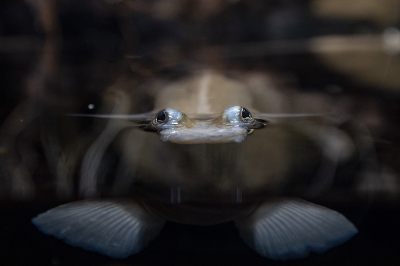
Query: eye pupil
point(161, 116)
point(246, 116)
point(245, 113)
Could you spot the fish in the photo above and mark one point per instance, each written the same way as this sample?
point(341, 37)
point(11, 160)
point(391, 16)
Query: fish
point(205, 155)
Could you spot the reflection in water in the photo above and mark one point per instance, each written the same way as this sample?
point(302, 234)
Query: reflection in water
point(209, 183)
point(134, 182)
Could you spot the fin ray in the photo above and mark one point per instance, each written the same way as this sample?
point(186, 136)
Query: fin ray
point(114, 229)
point(290, 229)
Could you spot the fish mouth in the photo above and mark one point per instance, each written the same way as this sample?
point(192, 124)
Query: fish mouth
point(209, 134)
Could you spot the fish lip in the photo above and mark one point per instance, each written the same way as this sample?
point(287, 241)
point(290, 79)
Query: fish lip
point(206, 133)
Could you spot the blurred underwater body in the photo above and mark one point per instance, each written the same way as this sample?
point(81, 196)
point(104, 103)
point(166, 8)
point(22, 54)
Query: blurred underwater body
point(49, 158)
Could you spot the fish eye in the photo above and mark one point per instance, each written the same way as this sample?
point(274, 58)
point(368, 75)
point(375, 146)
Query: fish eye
point(240, 116)
point(168, 118)
point(161, 117)
point(236, 115)
point(245, 115)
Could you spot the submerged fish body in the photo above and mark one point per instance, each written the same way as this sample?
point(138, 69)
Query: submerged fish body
point(203, 183)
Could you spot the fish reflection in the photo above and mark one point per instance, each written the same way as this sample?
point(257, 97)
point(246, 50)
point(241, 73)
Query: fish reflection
point(203, 174)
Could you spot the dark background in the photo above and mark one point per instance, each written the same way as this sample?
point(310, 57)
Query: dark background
point(88, 41)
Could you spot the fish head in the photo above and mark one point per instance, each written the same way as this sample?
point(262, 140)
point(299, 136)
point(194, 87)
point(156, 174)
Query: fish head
point(232, 125)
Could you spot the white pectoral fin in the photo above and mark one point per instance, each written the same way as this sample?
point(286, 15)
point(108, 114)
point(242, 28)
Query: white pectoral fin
point(291, 229)
point(111, 228)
